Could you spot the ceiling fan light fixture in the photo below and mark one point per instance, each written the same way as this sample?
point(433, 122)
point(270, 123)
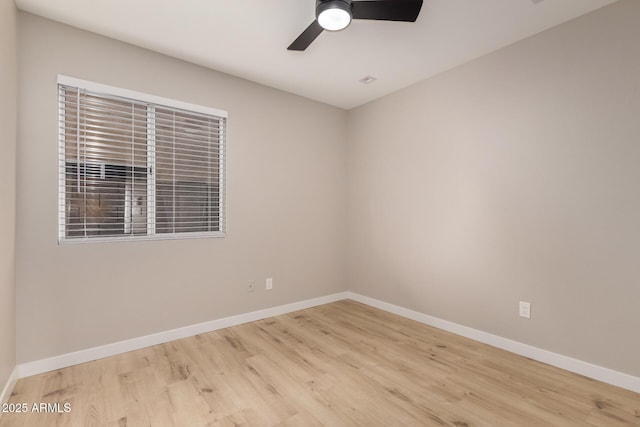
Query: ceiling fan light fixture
point(334, 15)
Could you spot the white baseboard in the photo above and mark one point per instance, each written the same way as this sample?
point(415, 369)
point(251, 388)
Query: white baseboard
point(82, 356)
point(8, 387)
point(599, 373)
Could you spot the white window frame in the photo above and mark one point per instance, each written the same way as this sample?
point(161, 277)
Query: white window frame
point(151, 207)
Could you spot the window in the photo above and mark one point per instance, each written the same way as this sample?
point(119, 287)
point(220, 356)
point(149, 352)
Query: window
point(135, 166)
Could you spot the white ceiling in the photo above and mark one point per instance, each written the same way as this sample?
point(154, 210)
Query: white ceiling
point(249, 38)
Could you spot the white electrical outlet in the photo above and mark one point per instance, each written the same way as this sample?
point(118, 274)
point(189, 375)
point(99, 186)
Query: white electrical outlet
point(251, 286)
point(269, 283)
point(525, 309)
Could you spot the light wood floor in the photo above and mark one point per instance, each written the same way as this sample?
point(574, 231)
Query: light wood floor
point(341, 364)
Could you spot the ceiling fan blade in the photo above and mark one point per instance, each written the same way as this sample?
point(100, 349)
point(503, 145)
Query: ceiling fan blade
point(387, 10)
point(307, 37)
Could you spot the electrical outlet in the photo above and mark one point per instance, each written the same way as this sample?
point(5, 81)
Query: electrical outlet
point(525, 310)
point(269, 283)
point(251, 286)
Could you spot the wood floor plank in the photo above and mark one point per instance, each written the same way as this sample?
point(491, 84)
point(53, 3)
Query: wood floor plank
point(341, 364)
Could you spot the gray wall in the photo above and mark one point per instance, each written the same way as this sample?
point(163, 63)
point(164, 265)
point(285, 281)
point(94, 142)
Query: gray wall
point(513, 177)
point(286, 204)
point(8, 89)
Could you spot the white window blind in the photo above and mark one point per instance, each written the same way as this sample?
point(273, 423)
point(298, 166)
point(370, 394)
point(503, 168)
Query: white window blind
point(135, 169)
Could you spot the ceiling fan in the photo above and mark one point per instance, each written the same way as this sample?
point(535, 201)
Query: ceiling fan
point(336, 15)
